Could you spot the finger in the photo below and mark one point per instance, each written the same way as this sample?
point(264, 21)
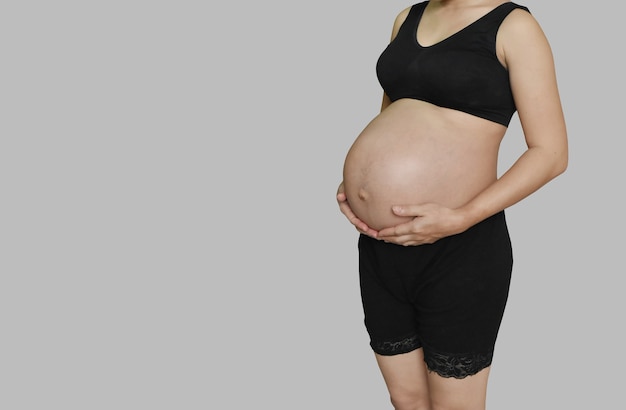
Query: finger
point(395, 231)
point(408, 210)
point(398, 240)
point(371, 232)
point(387, 233)
point(354, 220)
point(405, 240)
point(346, 210)
point(362, 226)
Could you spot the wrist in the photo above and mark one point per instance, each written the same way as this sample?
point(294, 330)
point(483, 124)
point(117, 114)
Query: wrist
point(470, 216)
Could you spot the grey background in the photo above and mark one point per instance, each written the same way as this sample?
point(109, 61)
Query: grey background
point(169, 233)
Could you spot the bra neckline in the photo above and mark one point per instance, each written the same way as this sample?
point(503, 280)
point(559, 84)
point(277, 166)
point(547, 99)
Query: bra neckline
point(456, 33)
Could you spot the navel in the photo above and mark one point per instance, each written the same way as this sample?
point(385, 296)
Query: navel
point(363, 194)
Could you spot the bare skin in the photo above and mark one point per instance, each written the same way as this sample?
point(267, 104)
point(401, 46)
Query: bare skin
point(524, 50)
point(413, 152)
point(436, 173)
point(412, 386)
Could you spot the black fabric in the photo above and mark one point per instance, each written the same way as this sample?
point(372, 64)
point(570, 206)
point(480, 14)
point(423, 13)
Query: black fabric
point(461, 72)
point(447, 297)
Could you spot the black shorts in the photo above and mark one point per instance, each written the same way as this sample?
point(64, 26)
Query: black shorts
point(447, 297)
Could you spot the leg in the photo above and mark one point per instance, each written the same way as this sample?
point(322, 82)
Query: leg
point(391, 323)
point(469, 393)
point(465, 303)
point(406, 378)
point(412, 387)
point(448, 297)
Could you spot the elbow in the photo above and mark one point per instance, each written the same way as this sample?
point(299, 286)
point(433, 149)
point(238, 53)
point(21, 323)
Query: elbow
point(560, 164)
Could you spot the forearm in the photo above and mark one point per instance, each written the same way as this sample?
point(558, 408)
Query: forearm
point(535, 168)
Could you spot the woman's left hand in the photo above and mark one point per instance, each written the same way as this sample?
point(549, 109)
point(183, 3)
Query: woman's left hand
point(431, 222)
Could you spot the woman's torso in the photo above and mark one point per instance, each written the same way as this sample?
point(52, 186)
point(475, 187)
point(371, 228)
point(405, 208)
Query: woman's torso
point(430, 145)
point(415, 152)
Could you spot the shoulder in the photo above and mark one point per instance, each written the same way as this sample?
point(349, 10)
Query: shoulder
point(401, 18)
point(403, 14)
point(519, 22)
point(522, 41)
point(520, 30)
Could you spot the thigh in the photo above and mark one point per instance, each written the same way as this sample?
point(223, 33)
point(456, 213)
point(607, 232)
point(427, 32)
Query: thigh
point(406, 377)
point(389, 314)
point(461, 307)
point(469, 393)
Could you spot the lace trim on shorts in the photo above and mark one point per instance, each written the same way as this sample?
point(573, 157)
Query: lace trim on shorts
point(392, 348)
point(458, 366)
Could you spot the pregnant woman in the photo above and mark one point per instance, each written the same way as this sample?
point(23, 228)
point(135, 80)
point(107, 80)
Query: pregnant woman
point(420, 184)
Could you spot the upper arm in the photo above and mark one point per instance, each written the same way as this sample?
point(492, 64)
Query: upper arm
point(394, 32)
point(398, 22)
point(529, 60)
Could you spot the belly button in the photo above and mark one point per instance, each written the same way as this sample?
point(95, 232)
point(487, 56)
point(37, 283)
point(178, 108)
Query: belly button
point(363, 195)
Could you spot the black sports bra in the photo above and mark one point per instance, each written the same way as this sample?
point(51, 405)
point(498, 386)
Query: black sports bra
point(461, 72)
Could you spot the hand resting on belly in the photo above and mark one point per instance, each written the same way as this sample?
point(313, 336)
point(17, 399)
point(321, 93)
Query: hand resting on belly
point(416, 153)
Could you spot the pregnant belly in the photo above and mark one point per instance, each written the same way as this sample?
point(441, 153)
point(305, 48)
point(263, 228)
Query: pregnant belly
point(374, 183)
point(413, 153)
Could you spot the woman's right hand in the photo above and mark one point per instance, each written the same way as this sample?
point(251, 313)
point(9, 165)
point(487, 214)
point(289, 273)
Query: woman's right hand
point(345, 209)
